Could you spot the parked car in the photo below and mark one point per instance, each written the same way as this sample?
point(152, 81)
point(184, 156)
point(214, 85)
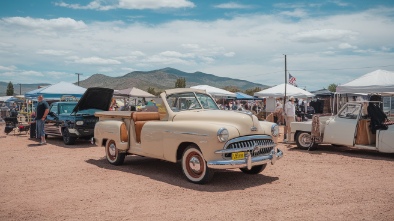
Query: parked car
point(350, 127)
point(189, 127)
point(73, 120)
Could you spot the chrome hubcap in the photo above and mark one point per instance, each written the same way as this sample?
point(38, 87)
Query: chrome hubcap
point(195, 164)
point(305, 140)
point(112, 150)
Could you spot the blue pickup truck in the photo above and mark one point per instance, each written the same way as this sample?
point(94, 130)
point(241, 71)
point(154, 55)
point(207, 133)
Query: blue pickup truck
point(73, 120)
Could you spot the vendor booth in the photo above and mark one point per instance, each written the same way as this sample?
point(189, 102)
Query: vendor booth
point(379, 82)
point(57, 91)
point(214, 91)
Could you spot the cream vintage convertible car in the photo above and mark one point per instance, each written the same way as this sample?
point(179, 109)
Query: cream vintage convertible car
point(350, 127)
point(189, 127)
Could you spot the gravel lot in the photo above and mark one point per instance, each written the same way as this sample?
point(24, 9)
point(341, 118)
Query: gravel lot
point(58, 182)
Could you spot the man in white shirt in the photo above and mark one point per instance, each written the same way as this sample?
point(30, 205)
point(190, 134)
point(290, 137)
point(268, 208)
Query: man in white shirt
point(289, 116)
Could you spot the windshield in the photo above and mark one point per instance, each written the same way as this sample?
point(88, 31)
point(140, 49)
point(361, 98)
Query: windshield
point(190, 101)
point(350, 111)
point(66, 108)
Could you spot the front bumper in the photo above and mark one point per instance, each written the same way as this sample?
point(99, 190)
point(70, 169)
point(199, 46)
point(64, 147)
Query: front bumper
point(81, 132)
point(248, 162)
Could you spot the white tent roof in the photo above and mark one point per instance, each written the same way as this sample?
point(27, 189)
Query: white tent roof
point(133, 92)
point(279, 91)
point(214, 91)
point(5, 98)
point(379, 81)
point(57, 91)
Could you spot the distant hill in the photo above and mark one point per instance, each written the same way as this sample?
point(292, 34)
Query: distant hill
point(159, 79)
point(164, 79)
point(24, 87)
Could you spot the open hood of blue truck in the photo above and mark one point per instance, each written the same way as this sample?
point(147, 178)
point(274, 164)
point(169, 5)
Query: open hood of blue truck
point(95, 98)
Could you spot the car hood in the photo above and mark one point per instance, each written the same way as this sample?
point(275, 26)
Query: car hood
point(244, 122)
point(95, 98)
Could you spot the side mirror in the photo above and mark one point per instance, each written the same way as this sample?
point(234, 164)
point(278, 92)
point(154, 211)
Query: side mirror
point(52, 114)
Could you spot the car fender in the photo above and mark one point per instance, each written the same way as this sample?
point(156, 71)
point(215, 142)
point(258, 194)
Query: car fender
point(109, 130)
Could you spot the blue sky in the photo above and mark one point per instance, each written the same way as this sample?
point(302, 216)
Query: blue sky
point(325, 41)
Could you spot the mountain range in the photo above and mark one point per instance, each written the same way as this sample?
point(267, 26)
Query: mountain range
point(164, 79)
point(159, 79)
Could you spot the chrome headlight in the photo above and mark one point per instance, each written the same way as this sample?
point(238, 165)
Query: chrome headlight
point(222, 134)
point(275, 130)
point(79, 123)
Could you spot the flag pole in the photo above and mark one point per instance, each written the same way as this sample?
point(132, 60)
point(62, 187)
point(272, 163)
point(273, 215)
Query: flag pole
point(284, 100)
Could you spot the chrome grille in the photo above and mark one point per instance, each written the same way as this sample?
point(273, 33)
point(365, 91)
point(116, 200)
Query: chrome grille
point(264, 146)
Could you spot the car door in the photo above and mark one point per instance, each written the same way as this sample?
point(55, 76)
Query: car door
point(342, 128)
point(52, 125)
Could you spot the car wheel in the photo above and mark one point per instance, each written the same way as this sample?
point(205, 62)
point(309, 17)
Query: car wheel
point(113, 155)
point(194, 166)
point(67, 139)
point(304, 141)
point(254, 170)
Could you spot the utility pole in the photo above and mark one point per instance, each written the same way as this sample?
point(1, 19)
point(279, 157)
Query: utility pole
point(20, 89)
point(78, 77)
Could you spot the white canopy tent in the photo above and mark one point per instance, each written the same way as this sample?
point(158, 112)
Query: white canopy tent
point(56, 91)
point(133, 92)
point(5, 98)
point(279, 91)
point(379, 81)
point(214, 91)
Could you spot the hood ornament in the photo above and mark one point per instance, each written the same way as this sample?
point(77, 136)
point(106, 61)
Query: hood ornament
point(253, 128)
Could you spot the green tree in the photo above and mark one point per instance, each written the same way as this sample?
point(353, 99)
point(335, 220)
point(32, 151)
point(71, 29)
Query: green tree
point(332, 87)
point(232, 89)
point(151, 90)
point(252, 91)
point(10, 89)
point(180, 83)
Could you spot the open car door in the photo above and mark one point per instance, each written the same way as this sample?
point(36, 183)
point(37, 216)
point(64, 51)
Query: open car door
point(342, 128)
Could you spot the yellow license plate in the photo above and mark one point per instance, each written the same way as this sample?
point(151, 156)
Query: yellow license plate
point(238, 156)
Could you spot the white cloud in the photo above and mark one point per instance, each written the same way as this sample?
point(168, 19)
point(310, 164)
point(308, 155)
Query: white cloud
point(323, 35)
point(233, 5)
point(190, 46)
point(229, 54)
point(31, 73)
point(9, 68)
point(53, 52)
point(176, 54)
point(257, 41)
point(297, 13)
point(129, 4)
point(96, 60)
point(339, 3)
point(346, 46)
point(44, 24)
point(165, 60)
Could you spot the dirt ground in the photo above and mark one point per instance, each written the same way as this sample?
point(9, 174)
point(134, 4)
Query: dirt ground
point(58, 182)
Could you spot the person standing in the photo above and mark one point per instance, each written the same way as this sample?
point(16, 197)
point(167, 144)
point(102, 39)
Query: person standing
point(42, 111)
point(289, 116)
point(279, 112)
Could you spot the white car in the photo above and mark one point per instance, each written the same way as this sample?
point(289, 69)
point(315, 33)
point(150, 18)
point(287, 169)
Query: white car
point(348, 128)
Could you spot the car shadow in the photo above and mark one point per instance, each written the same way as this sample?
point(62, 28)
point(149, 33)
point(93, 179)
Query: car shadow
point(58, 141)
point(171, 173)
point(347, 151)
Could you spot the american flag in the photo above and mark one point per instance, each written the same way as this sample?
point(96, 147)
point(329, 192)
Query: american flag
point(292, 80)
